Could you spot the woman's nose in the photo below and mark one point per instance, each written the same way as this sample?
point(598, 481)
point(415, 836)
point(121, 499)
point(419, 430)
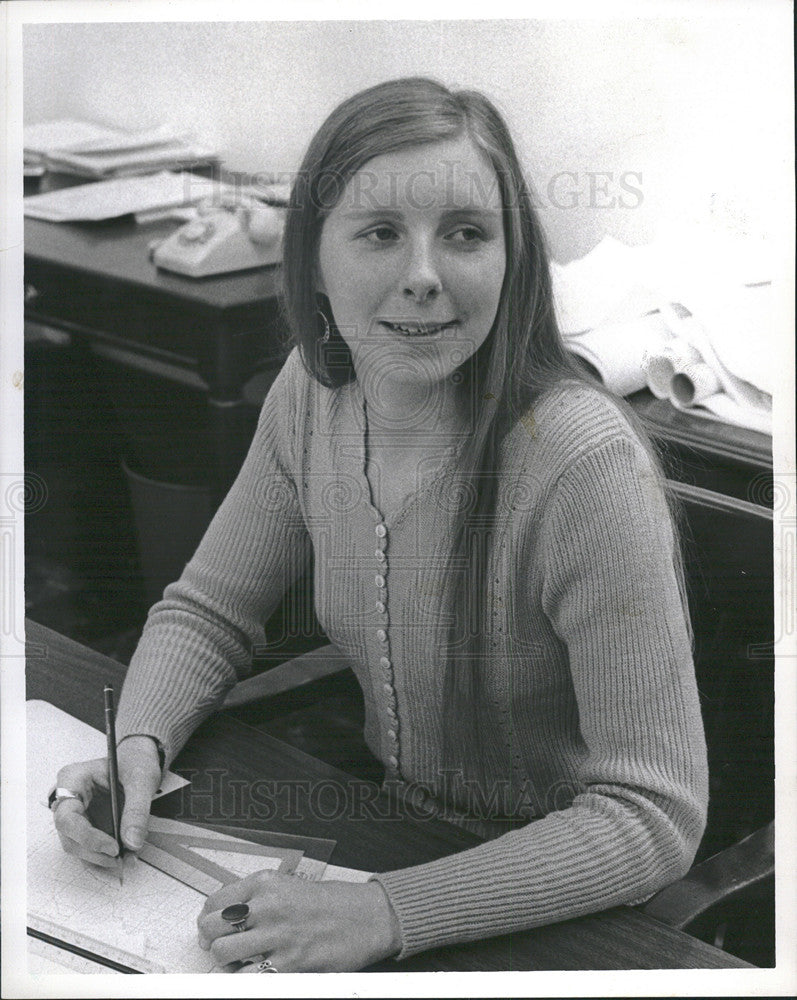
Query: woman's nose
point(422, 279)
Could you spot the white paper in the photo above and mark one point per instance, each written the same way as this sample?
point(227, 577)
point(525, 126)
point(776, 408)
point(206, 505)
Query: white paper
point(610, 284)
point(740, 324)
point(67, 133)
point(706, 289)
point(618, 351)
point(130, 160)
point(108, 199)
point(721, 407)
point(722, 281)
point(148, 914)
point(56, 738)
point(739, 402)
point(46, 959)
point(336, 873)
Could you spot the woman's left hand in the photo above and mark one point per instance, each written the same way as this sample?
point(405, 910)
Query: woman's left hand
point(301, 926)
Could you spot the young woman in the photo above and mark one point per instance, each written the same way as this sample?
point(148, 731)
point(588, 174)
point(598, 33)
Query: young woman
point(493, 551)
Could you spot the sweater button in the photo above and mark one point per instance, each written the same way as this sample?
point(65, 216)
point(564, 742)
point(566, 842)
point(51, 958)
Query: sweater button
point(388, 688)
point(381, 531)
point(380, 607)
point(379, 580)
point(418, 797)
point(380, 556)
point(393, 760)
point(381, 635)
point(391, 733)
point(385, 662)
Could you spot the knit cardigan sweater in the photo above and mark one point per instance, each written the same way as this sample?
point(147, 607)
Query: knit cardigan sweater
point(595, 734)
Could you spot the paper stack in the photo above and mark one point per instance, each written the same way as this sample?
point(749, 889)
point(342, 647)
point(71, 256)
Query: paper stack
point(119, 196)
point(89, 150)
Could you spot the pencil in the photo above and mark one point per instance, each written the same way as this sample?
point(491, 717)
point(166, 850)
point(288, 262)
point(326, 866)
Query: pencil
point(113, 767)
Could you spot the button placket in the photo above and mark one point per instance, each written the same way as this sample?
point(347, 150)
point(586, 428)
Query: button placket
point(383, 639)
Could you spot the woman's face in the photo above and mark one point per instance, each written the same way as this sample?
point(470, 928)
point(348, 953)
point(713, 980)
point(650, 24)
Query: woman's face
point(412, 259)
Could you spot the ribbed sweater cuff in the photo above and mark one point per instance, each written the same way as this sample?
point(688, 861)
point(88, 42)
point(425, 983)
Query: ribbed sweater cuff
point(569, 863)
point(165, 727)
point(432, 913)
point(409, 900)
point(144, 724)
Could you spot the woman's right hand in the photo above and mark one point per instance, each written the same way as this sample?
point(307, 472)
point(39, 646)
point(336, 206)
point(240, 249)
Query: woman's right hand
point(139, 775)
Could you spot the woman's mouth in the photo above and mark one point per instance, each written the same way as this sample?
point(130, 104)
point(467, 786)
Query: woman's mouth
point(425, 329)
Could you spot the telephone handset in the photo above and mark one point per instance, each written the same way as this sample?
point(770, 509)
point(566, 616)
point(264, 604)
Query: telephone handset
point(222, 240)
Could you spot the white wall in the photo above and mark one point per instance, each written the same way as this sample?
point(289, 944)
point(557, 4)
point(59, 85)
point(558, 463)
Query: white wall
point(698, 107)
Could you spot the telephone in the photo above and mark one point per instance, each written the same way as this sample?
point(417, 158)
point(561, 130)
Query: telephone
point(223, 239)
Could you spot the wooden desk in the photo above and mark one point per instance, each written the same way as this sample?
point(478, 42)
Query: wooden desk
point(225, 757)
point(96, 282)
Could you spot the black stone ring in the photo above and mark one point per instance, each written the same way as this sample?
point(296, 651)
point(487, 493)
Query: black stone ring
point(236, 915)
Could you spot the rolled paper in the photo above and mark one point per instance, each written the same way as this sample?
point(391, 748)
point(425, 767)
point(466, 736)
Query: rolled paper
point(681, 353)
point(618, 352)
point(659, 372)
point(661, 367)
point(694, 383)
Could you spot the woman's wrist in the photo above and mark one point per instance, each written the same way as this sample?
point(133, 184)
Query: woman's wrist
point(135, 741)
point(385, 923)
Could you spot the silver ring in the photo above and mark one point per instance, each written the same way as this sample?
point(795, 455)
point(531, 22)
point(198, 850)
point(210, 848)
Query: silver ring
point(237, 915)
point(59, 795)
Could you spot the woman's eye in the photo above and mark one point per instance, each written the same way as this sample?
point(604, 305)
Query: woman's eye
point(466, 234)
point(380, 234)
